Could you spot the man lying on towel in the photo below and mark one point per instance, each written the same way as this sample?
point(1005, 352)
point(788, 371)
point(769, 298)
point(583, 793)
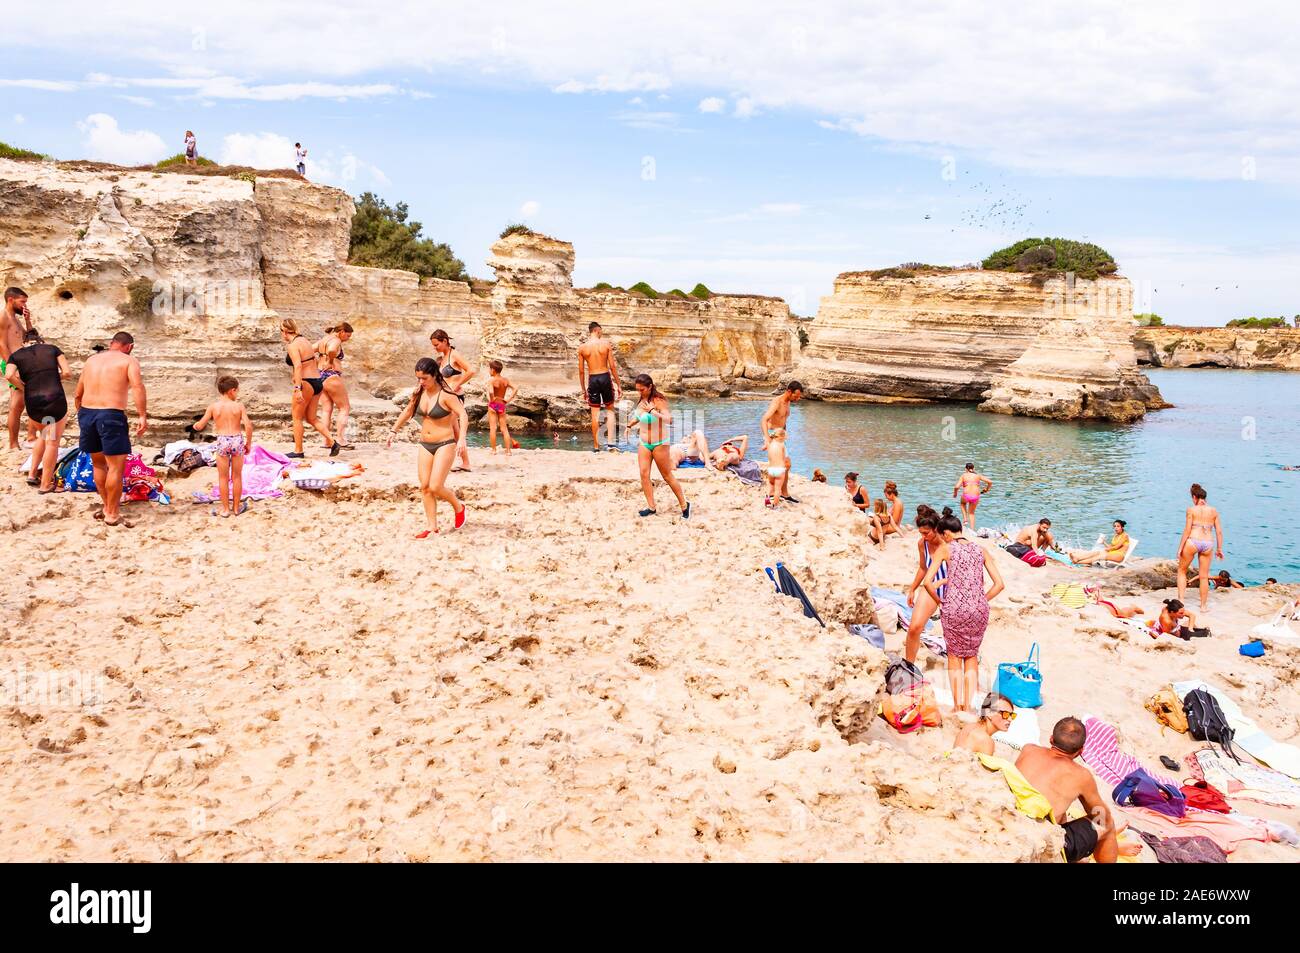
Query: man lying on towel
point(1054, 773)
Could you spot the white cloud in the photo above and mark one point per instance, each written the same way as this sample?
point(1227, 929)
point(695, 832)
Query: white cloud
point(19, 119)
point(712, 104)
point(258, 150)
point(530, 208)
point(105, 141)
point(655, 121)
point(144, 101)
point(1165, 88)
point(45, 85)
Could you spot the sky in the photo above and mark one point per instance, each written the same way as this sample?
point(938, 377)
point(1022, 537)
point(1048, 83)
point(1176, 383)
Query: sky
point(756, 147)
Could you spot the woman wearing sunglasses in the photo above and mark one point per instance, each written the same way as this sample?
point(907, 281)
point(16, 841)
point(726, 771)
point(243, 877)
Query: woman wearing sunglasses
point(996, 714)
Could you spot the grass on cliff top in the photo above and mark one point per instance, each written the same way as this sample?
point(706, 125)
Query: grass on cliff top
point(1053, 255)
point(14, 152)
point(1253, 322)
point(516, 228)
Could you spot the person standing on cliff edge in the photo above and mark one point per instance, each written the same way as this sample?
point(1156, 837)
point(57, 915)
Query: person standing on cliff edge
point(106, 379)
point(778, 413)
point(598, 383)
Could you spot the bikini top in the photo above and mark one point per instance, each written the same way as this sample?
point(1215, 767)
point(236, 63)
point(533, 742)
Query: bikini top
point(450, 370)
point(288, 358)
point(437, 412)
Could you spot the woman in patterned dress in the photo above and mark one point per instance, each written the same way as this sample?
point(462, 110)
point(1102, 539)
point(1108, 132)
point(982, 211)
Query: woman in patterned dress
point(964, 605)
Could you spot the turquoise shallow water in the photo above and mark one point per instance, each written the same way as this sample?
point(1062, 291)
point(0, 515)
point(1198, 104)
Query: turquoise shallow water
point(1231, 431)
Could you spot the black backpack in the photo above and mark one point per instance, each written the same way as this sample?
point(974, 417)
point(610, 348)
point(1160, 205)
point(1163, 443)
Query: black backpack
point(1206, 721)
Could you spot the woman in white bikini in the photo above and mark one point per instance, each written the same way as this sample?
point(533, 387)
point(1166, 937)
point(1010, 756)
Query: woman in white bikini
point(1202, 536)
point(443, 425)
point(969, 486)
point(329, 358)
point(457, 372)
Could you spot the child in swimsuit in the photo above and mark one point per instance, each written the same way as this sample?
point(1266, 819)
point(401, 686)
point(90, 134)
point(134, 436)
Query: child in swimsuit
point(500, 393)
point(777, 464)
point(234, 439)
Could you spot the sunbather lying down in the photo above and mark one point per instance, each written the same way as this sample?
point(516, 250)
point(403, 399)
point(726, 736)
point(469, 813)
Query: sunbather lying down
point(318, 474)
point(1119, 612)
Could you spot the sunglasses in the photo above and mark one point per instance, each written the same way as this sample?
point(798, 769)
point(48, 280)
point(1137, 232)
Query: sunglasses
point(1008, 715)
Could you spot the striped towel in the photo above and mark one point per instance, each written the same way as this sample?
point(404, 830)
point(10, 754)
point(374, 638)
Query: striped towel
point(1069, 594)
point(1102, 753)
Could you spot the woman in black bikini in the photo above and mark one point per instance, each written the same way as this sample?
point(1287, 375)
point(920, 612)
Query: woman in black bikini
point(457, 372)
point(306, 385)
point(329, 358)
point(443, 425)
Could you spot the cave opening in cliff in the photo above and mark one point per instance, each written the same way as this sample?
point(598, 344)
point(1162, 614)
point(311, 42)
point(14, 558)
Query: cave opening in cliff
point(65, 294)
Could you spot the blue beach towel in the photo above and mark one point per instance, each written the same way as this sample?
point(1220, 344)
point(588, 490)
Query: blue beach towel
point(747, 471)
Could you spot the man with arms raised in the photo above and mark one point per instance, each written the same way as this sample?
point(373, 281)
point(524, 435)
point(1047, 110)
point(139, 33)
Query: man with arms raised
point(101, 414)
point(1055, 775)
point(778, 412)
point(598, 382)
point(16, 322)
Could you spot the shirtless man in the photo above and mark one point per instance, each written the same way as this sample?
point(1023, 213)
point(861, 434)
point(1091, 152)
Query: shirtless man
point(1039, 536)
point(1054, 774)
point(598, 382)
point(106, 377)
point(16, 322)
point(778, 412)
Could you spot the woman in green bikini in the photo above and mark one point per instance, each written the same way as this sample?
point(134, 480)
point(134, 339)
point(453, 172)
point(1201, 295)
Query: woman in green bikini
point(654, 417)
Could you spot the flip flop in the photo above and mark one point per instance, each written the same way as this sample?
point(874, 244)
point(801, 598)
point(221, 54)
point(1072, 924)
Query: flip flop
point(243, 507)
point(32, 481)
point(98, 514)
point(425, 534)
point(48, 489)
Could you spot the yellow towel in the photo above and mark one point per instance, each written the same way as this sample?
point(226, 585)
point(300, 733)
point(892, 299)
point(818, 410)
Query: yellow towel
point(1070, 595)
point(1028, 800)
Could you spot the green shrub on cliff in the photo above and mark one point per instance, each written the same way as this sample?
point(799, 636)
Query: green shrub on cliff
point(382, 237)
point(13, 152)
point(1148, 319)
point(1053, 254)
point(644, 288)
point(179, 159)
point(516, 228)
point(1253, 322)
point(139, 300)
point(701, 292)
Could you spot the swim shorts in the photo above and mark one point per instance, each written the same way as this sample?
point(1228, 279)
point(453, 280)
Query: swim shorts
point(1080, 840)
point(600, 390)
point(230, 445)
point(104, 431)
point(3, 367)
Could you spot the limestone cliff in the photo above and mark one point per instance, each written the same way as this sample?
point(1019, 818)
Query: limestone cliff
point(1250, 348)
point(1025, 344)
point(223, 258)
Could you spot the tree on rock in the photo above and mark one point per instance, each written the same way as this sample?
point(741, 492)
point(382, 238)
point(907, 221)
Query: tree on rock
point(1053, 254)
point(382, 237)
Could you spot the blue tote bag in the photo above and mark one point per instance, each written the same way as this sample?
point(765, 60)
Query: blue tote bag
point(1021, 682)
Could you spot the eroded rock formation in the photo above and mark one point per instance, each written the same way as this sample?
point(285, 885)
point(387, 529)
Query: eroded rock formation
point(1024, 344)
point(1250, 348)
point(225, 258)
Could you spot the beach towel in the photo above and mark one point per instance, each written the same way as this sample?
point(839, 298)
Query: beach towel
point(689, 462)
point(872, 633)
point(63, 454)
point(1101, 752)
point(887, 615)
point(934, 642)
point(1226, 830)
point(1185, 850)
point(1249, 782)
point(900, 602)
point(262, 469)
point(1028, 799)
point(1023, 731)
point(748, 471)
point(1059, 557)
point(140, 482)
point(1248, 735)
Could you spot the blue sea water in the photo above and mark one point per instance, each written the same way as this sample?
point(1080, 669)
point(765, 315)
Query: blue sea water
point(1231, 431)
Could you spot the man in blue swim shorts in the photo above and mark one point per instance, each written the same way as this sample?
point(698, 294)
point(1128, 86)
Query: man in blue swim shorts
point(106, 379)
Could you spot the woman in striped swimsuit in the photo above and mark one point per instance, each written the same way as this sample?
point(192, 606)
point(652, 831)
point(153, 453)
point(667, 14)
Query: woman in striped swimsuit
point(918, 598)
point(1202, 535)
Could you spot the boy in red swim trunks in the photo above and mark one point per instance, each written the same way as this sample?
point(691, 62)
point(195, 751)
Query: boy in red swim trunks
point(500, 393)
point(234, 439)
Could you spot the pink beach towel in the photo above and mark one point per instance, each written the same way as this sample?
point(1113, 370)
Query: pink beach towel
point(1102, 753)
point(262, 469)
